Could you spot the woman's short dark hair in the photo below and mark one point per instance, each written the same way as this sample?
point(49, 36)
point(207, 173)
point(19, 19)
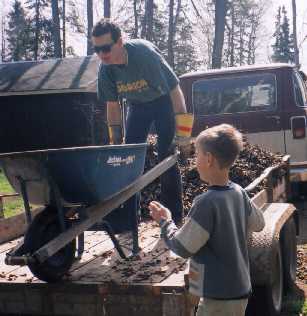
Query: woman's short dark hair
point(105, 26)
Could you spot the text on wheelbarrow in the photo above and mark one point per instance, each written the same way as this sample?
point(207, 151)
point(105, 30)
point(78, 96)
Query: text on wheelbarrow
point(118, 160)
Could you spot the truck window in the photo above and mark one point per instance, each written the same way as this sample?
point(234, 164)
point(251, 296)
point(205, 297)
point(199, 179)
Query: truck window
point(299, 90)
point(255, 92)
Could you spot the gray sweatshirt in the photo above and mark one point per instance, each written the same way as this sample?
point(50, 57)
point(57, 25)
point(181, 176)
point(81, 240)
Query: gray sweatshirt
point(214, 236)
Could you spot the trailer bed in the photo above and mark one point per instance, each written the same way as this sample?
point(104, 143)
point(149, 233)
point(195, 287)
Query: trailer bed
point(99, 278)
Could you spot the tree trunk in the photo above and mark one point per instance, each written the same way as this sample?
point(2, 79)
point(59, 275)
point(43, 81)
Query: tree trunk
point(241, 42)
point(172, 25)
point(136, 18)
point(144, 22)
point(232, 38)
point(56, 29)
point(89, 27)
point(296, 50)
point(220, 20)
point(149, 28)
point(251, 42)
point(107, 8)
point(37, 29)
point(147, 25)
point(170, 51)
point(64, 28)
point(2, 39)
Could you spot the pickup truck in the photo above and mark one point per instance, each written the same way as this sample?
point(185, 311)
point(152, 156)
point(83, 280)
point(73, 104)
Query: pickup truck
point(52, 104)
point(268, 103)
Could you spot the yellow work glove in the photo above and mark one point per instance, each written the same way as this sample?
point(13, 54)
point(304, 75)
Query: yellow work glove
point(184, 125)
point(115, 134)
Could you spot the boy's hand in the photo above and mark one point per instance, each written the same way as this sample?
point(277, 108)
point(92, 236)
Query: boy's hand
point(159, 212)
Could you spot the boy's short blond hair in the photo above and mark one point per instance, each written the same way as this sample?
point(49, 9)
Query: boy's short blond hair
point(223, 141)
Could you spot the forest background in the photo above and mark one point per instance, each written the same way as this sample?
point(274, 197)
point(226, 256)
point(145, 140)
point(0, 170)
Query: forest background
point(192, 34)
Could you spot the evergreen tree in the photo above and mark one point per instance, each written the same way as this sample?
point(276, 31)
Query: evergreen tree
point(18, 34)
point(185, 57)
point(243, 20)
point(283, 48)
point(159, 33)
point(41, 29)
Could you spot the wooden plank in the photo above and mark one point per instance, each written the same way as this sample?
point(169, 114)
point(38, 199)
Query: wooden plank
point(154, 264)
point(128, 271)
point(96, 212)
point(14, 226)
point(96, 243)
point(99, 268)
point(100, 248)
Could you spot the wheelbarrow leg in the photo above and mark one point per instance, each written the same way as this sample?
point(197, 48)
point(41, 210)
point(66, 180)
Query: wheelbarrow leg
point(135, 234)
point(80, 250)
point(23, 188)
point(109, 230)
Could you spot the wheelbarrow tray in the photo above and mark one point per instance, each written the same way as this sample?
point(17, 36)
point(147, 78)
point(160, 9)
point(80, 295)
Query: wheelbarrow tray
point(82, 175)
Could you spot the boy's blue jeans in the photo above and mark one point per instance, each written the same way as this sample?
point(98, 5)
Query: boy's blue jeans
point(139, 120)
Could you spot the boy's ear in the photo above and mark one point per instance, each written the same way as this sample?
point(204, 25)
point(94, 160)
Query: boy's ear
point(210, 159)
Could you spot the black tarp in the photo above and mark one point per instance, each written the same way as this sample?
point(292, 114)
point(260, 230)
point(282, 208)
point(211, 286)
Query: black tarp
point(50, 104)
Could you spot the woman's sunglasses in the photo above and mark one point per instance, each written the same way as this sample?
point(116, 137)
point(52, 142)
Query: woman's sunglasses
point(103, 48)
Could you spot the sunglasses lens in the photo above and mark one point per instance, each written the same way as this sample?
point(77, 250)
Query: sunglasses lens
point(103, 48)
point(106, 48)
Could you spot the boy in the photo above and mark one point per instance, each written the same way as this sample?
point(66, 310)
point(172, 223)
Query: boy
point(215, 232)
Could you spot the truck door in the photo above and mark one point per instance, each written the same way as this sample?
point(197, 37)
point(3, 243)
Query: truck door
point(295, 118)
point(248, 101)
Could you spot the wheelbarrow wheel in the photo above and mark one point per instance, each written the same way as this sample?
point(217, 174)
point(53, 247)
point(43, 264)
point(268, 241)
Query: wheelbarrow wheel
point(45, 227)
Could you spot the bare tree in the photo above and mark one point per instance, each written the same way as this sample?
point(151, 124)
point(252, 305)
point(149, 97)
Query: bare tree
point(171, 31)
point(136, 20)
point(2, 38)
point(107, 8)
point(172, 24)
point(56, 34)
point(220, 21)
point(37, 28)
point(147, 25)
point(89, 26)
point(204, 29)
point(296, 50)
point(64, 28)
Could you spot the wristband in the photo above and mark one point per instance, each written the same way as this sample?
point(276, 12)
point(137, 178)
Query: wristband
point(184, 124)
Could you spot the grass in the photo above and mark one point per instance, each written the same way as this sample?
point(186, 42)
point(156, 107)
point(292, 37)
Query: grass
point(5, 187)
point(12, 206)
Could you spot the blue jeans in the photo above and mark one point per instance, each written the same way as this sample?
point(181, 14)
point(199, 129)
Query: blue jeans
point(139, 120)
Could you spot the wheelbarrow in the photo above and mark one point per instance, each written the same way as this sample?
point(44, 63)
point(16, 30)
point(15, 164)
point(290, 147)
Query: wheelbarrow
point(78, 187)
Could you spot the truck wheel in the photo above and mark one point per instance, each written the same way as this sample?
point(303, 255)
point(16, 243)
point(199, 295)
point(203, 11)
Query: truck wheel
point(275, 290)
point(289, 254)
point(267, 300)
point(44, 228)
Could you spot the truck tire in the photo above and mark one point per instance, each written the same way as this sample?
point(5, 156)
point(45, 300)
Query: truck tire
point(289, 254)
point(267, 300)
point(45, 227)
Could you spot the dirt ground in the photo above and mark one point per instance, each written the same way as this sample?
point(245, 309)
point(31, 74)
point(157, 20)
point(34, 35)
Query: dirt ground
point(296, 302)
